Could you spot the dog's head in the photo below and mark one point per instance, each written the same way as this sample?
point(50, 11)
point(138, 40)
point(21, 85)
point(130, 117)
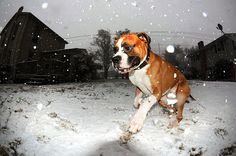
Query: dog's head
point(130, 51)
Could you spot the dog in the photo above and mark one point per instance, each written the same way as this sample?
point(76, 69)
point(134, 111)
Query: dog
point(159, 80)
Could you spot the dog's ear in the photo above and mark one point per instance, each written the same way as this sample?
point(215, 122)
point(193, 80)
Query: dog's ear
point(116, 39)
point(144, 37)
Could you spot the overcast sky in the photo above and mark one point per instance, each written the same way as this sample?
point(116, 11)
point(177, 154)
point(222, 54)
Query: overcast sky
point(183, 22)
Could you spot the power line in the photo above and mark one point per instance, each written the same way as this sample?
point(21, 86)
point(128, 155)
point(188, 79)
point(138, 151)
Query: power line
point(151, 33)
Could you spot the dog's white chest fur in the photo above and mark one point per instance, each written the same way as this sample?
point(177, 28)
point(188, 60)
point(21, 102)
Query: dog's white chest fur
point(140, 79)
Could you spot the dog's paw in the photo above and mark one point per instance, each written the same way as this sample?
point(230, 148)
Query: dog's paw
point(136, 123)
point(136, 105)
point(173, 124)
point(125, 137)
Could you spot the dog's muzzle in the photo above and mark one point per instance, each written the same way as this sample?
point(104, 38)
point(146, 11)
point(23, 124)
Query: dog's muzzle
point(133, 61)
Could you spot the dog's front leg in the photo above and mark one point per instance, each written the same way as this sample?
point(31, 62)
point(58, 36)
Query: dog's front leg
point(137, 99)
point(137, 121)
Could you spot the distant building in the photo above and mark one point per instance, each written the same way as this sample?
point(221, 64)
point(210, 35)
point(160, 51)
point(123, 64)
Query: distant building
point(217, 60)
point(25, 42)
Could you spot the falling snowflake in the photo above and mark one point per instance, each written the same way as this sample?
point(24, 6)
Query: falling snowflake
point(35, 47)
point(175, 75)
point(204, 84)
point(101, 20)
point(134, 4)
point(44, 5)
point(150, 23)
point(204, 14)
point(170, 49)
point(226, 100)
point(152, 7)
point(90, 6)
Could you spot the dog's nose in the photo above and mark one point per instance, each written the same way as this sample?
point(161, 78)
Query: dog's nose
point(116, 59)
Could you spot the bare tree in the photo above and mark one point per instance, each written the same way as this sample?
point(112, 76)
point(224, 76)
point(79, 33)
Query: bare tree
point(104, 51)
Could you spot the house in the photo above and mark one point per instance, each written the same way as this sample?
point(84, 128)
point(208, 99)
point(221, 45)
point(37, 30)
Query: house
point(217, 60)
point(30, 50)
point(23, 38)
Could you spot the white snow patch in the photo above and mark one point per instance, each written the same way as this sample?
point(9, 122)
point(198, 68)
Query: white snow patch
point(40, 106)
point(88, 119)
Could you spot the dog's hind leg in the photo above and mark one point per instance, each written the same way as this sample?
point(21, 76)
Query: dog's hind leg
point(182, 94)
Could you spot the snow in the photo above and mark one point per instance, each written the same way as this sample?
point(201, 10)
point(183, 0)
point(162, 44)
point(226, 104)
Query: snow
point(44, 5)
point(170, 49)
point(88, 118)
point(153, 7)
point(204, 14)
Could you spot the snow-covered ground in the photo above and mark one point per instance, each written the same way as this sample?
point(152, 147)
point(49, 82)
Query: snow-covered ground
point(87, 119)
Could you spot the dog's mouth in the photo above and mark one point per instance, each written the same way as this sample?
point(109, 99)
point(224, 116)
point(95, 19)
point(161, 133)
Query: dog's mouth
point(123, 70)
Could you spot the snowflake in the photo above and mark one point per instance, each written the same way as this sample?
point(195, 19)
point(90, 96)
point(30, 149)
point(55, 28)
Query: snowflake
point(134, 4)
point(44, 5)
point(170, 49)
point(34, 47)
point(152, 7)
point(204, 14)
point(90, 6)
point(226, 100)
point(175, 75)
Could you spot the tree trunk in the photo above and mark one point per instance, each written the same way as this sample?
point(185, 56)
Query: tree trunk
point(105, 73)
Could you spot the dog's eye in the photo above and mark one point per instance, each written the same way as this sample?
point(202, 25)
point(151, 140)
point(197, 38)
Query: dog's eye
point(127, 48)
point(115, 49)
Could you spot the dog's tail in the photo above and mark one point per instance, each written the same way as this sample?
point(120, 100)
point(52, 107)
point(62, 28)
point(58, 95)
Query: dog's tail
point(192, 98)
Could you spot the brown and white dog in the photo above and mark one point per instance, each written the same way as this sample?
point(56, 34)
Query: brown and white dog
point(151, 75)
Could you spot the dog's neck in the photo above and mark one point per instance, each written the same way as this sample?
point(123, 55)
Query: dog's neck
point(145, 61)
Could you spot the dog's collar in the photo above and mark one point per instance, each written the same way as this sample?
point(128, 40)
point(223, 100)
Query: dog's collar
point(145, 62)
